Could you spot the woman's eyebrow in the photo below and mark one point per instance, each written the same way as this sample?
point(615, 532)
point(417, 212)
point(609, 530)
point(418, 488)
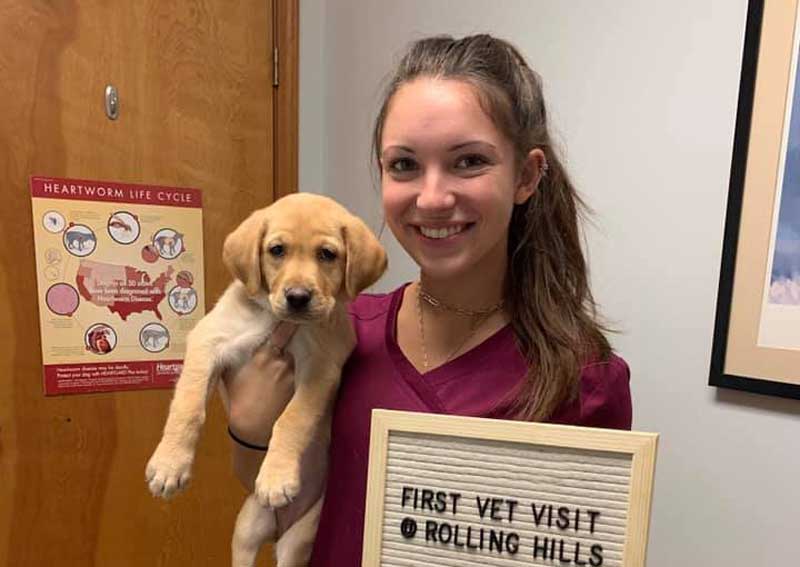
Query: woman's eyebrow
point(397, 148)
point(471, 143)
point(456, 147)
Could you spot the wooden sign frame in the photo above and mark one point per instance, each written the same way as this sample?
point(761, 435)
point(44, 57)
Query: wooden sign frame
point(641, 447)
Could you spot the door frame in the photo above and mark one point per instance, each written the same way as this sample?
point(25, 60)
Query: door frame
point(285, 108)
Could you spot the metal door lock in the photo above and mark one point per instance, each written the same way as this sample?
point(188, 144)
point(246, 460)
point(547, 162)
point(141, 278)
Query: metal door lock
point(112, 102)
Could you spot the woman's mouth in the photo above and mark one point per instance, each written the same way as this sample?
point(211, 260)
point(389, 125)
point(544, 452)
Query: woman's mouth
point(438, 233)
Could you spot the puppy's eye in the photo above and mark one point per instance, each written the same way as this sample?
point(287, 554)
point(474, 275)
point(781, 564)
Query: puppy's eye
point(277, 250)
point(326, 255)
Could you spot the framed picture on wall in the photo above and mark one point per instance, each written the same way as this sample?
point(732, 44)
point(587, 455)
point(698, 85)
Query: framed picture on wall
point(757, 331)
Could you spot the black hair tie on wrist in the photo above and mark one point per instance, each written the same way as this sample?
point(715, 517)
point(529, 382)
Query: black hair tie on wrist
point(244, 443)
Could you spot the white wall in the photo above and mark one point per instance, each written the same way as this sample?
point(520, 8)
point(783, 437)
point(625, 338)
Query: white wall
point(643, 96)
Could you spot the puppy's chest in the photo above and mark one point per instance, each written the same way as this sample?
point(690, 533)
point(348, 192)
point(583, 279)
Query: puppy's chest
point(249, 333)
point(302, 346)
point(327, 346)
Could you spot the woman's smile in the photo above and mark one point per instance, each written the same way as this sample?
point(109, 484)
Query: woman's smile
point(435, 237)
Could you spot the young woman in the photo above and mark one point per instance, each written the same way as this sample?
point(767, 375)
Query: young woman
point(501, 322)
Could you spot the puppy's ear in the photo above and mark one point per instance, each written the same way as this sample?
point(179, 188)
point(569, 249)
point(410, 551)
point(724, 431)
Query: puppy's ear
point(366, 258)
point(241, 252)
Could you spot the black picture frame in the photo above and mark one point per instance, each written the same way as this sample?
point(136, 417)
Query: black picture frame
point(717, 375)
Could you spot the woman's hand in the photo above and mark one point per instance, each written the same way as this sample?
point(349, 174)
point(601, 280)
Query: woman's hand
point(258, 393)
point(254, 399)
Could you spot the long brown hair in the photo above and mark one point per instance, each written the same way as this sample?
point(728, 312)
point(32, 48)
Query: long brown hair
point(547, 293)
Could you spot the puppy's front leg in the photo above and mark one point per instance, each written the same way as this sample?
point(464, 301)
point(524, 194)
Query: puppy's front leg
point(169, 469)
point(278, 481)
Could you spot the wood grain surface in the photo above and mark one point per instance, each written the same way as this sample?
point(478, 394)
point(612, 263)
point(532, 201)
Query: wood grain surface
point(196, 110)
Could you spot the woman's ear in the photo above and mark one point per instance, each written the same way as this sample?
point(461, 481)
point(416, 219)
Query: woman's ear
point(241, 252)
point(534, 166)
point(366, 259)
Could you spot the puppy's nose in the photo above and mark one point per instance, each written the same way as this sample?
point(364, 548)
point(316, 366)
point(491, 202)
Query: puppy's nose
point(298, 298)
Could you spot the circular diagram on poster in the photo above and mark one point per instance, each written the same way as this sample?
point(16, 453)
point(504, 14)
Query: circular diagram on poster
point(154, 337)
point(184, 278)
point(52, 271)
point(79, 240)
point(52, 256)
point(168, 243)
point(149, 253)
point(62, 299)
point(123, 227)
point(182, 300)
point(53, 221)
point(100, 338)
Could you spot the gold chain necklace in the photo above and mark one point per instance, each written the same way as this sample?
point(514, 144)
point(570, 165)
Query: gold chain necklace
point(421, 293)
point(479, 317)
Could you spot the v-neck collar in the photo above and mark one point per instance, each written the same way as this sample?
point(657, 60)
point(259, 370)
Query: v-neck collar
point(425, 384)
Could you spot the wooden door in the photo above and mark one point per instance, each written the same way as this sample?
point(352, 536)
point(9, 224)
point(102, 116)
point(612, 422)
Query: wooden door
point(197, 105)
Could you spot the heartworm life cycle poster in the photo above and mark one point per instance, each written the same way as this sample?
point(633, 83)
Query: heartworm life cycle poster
point(120, 282)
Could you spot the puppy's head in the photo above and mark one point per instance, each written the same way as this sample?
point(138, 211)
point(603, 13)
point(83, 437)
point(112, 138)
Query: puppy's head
point(306, 252)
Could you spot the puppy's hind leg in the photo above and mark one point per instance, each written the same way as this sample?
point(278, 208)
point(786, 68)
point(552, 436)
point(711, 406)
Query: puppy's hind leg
point(296, 544)
point(255, 525)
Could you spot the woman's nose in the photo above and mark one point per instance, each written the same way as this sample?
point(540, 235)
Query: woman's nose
point(435, 193)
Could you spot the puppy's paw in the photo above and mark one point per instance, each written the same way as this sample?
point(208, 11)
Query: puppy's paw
point(169, 470)
point(278, 481)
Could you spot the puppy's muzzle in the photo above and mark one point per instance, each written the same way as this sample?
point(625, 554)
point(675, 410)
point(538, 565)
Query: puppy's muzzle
point(298, 299)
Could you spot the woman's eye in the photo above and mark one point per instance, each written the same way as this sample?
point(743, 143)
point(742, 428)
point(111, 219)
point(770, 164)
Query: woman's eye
point(471, 162)
point(277, 250)
point(402, 165)
point(326, 255)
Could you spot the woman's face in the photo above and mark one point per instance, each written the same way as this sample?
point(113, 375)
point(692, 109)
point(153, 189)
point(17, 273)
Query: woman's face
point(449, 179)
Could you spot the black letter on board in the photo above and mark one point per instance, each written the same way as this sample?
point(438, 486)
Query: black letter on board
point(430, 530)
point(597, 555)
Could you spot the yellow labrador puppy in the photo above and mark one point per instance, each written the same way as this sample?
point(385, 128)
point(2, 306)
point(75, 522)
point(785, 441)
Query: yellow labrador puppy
point(301, 260)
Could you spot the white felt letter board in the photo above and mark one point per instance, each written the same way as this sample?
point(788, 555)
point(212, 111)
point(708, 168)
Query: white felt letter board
point(458, 491)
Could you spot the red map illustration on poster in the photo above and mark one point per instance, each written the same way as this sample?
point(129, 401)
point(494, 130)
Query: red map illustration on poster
point(122, 289)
